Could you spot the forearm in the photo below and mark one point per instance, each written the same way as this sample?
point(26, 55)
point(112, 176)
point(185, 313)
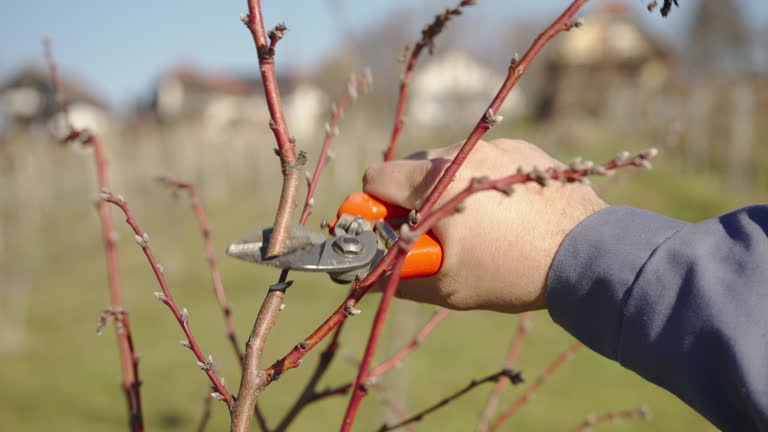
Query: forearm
point(683, 305)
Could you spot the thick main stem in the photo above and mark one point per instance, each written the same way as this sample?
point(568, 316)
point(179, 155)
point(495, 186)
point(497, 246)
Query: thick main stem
point(253, 380)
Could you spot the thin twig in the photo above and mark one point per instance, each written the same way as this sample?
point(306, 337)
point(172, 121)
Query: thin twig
point(507, 374)
point(590, 422)
point(205, 418)
point(218, 285)
point(310, 394)
point(428, 35)
point(390, 363)
point(577, 171)
point(536, 385)
point(292, 358)
point(523, 327)
point(397, 358)
point(129, 360)
point(182, 317)
point(564, 22)
point(357, 83)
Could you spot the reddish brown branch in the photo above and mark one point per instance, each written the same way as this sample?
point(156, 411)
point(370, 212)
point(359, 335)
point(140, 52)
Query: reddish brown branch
point(205, 418)
point(523, 327)
point(536, 385)
point(218, 285)
point(428, 35)
point(563, 23)
point(577, 171)
point(128, 358)
point(254, 380)
point(391, 362)
point(398, 357)
point(359, 387)
point(291, 359)
point(346, 309)
point(357, 83)
point(310, 394)
point(506, 374)
point(613, 417)
point(182, 317)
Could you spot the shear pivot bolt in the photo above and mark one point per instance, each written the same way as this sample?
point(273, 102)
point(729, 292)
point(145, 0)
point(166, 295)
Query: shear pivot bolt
point(347, 245)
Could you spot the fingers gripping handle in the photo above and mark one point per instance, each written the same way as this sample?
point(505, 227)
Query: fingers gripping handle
point(426, 255)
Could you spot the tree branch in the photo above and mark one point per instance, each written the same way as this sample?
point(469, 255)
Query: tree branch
point(642, 412)
point(291, 359)
point(490, 118)
point(129, 360)
point(182, 317)
point(397, 358)
point(576, 171)
point(218, 285)
point(357, 83)
point(359, 387)
point(536, 385)
point(505, 374)
point(428, 35)
point(523, 327)
point(253, 380)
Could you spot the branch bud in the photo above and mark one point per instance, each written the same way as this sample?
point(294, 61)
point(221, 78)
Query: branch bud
point(185, 315)
point(622, 157)
point(539, 176)
point(161, 296)
point(244, 18)
point(650, 153)
point(218, 396)
point(645, 412)
point(413, 217)
point(350, 310)
point(491, 118)
point(185, 343)
point(142, 240)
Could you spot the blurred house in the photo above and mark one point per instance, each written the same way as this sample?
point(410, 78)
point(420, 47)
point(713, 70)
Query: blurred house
point(28, 99)
point(455, 85)
point(611, 57)
point(222, 101)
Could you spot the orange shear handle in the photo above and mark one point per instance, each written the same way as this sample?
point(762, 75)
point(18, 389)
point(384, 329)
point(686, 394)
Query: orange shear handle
point(426, 255)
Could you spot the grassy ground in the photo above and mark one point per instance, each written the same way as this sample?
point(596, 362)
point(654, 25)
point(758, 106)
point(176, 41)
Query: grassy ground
point(65, 377)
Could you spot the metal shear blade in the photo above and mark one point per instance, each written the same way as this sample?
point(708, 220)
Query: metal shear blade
point(342, 257)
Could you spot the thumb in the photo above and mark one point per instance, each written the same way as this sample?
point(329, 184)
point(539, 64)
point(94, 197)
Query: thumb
point(404, 182)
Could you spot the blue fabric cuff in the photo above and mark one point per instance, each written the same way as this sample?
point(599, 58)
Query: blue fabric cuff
point(593, 271)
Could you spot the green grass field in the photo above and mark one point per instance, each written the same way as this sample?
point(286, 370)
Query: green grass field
point(66, 378)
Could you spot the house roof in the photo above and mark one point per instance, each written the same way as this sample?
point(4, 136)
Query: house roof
point(225, 82)
point(612, 35)
point(73, 90)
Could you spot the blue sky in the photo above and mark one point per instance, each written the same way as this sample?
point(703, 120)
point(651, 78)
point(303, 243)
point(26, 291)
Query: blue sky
point(120, 47)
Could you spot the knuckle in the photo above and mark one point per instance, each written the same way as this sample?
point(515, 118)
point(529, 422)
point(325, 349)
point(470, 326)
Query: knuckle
point(372, 175)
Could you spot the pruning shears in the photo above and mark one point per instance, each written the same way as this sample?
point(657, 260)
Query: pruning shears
point(363, 231)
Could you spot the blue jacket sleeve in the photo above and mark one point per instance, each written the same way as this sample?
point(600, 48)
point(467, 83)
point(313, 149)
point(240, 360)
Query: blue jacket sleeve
point(683, 305)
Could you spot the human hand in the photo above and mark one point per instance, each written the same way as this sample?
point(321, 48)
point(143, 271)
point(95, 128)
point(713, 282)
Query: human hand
point(497, 252)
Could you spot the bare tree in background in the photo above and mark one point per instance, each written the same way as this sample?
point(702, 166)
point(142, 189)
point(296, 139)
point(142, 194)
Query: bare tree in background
point(719, 39)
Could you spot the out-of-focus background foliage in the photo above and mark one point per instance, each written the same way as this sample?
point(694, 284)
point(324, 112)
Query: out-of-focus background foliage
point(695, 85)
